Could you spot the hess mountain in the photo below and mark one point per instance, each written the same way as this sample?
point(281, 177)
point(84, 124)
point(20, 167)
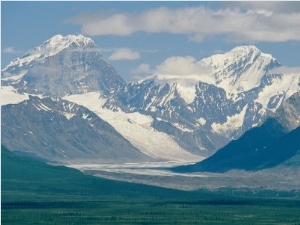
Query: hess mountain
point(196, 113)
point(204, 112)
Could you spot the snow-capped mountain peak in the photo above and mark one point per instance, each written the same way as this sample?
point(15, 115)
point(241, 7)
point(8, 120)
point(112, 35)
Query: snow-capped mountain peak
point(60, 66)
point(49, 48)
point(240, 69)
point(246, 50)
point(237, 54)
point(58, 42)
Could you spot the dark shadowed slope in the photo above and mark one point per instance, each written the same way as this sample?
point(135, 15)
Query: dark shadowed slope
point(23, 175)
point(58, 130)
point(262, 147)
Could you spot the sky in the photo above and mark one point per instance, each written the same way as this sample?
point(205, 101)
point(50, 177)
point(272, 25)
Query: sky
point(140, 37)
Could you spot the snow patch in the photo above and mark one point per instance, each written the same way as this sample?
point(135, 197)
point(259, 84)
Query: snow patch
point(188, 93)
point(45, 108)
point(181, 127)
point(201, 121)
point(42, 107)
point(68, 115)
point(232, 123)
point(85, 116)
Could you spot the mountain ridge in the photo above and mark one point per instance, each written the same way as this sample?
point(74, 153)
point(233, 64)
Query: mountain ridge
point(58, 130)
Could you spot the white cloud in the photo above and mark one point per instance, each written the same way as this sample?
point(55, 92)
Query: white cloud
point(124, 54)
point(142, 69)
point(185, 68)
point(178, 65)
point(273, 22)
point(10, 50)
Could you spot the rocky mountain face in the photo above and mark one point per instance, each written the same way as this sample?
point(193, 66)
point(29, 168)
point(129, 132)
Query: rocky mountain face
point(288, 114)
point(241, 88)
point(62, 66)
point(58, 130)
point(230, 94)
point(268, 145)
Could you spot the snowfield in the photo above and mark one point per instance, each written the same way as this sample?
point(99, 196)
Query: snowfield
point(10, 96)
point(136, 128)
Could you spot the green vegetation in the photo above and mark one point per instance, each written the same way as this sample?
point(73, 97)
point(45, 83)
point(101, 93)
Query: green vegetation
point(294, 161)
point(36, 193)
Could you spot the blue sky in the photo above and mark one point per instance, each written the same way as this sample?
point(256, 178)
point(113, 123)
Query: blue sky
point(137, 37)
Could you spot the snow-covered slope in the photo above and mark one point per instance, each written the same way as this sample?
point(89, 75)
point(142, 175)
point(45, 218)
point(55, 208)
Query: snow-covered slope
point(240, 69)
point(58, 130)
point(10, 96)
point(136, 128)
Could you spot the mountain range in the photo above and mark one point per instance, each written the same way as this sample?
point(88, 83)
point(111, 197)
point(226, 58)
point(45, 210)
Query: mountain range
point(162, 117)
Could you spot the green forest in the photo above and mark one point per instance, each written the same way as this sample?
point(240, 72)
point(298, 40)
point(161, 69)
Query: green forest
point(36, 193)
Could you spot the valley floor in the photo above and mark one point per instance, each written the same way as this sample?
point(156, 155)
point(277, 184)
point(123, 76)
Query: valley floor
point(159, 174)
point(36, 193)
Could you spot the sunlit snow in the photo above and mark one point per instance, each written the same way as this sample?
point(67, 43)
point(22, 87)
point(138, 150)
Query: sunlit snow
point(69, 115)
point(287, 85)
point(202, 121)
point(136, 128)
point(232, 123)
point(10, 96)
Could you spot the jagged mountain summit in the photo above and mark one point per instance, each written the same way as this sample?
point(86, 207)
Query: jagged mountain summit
point(224, 96)
point(61, 66)
point(233, 92)
point(239, 70)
